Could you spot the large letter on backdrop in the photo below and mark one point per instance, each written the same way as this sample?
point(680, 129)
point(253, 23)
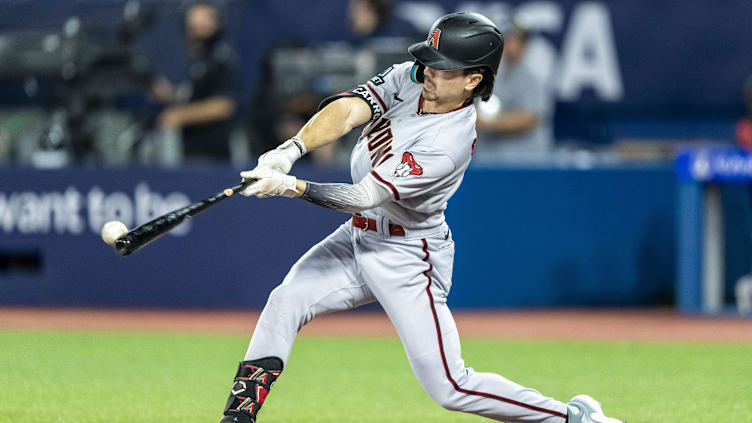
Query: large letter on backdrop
point(589, 55)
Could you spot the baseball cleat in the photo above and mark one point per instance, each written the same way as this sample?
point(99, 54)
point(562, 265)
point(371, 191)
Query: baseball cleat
point(231, 419)
point(584, 409)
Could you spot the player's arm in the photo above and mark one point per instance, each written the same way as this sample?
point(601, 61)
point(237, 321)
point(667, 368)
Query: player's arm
point(347, 198)
point(338, 115)
point(332, 122)
point(414, 172)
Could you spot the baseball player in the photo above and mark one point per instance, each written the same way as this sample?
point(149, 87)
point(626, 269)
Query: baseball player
point(397, 248)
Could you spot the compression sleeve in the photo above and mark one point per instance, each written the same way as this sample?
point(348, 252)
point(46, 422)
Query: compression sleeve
point(347, 198)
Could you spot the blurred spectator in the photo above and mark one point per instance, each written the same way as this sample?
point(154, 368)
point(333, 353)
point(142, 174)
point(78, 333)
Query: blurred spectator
point(516, 122)
point(275, 118)
point(369, 19)
point(744, 126)
point(203, 108)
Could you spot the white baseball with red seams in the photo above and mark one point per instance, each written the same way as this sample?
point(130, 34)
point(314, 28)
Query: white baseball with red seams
point(420, 159)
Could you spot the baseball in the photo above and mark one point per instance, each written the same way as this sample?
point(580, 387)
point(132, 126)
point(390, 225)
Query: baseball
point(113, 230)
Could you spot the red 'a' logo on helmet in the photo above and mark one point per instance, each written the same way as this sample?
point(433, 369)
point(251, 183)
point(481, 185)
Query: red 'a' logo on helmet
point(433, 39)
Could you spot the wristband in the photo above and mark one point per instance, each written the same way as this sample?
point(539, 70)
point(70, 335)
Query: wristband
point(300, 144)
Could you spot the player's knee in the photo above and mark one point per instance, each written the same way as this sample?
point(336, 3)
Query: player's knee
point(280, 300)
point(287, 301)
point(444, 394)
point(432, 377)
point(448, 400)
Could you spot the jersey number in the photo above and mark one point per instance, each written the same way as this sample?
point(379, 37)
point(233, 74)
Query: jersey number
point(379, 79)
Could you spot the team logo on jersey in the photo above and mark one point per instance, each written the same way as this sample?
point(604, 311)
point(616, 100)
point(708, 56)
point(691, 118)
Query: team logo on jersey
point(408, 166)
point(433, 39)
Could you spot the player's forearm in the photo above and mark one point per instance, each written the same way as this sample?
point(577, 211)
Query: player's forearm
point(332, 122)
point(510, 122)
point(203, 111)
point(346, 198)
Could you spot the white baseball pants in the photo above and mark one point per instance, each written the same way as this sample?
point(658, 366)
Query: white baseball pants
point(410, 278)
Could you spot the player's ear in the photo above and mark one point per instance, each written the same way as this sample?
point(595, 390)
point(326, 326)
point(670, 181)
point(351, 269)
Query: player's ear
point(473, 80)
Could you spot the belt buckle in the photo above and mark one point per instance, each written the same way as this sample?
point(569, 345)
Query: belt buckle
point(365, 224)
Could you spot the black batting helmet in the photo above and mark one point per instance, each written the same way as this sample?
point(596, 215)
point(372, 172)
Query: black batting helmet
point(460, 41)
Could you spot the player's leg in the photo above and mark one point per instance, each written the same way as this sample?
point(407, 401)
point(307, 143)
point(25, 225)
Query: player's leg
point(323, 280)
point(411, 282)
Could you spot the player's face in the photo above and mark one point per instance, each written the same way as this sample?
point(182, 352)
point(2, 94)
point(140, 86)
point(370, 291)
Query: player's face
point(448, 86)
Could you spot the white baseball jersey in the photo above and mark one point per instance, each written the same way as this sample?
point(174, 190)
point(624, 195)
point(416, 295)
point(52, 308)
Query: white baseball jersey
point(419, 158)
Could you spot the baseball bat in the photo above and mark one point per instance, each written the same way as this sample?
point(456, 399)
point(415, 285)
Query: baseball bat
point(139, 237)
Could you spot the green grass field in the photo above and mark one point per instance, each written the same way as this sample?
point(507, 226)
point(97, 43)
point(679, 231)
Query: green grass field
point(81, 377)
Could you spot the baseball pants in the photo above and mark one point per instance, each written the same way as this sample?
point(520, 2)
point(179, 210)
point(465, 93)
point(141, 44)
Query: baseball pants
point(410, 277)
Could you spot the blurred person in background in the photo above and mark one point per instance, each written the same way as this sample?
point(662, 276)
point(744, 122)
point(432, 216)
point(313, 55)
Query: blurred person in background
point(274, 116)
point(369, 19)
point(516, 123)
point(202, 108)
point(744, 126)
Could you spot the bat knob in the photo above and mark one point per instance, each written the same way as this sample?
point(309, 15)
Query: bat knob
point(122, 246)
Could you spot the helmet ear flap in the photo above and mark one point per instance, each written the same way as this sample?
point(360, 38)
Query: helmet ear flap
point(416, 73)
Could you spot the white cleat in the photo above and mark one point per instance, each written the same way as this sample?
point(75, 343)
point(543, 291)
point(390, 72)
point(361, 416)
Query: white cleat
point(584, 409)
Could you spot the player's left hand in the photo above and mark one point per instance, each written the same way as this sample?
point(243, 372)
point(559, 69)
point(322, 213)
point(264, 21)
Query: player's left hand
point(284, 156)
point(270, 183)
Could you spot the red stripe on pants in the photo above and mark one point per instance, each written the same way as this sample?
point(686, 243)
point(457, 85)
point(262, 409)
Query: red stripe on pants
point(443, 357)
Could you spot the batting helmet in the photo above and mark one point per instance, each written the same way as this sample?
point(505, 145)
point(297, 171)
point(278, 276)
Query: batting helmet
point(459, 41)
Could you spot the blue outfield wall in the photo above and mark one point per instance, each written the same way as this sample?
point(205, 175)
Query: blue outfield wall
point(600, 237)
point(525, 238)
point(231, 257)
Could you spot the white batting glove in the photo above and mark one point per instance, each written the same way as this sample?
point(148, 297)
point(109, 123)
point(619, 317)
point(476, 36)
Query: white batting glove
point(270, 183)
point(283, 157)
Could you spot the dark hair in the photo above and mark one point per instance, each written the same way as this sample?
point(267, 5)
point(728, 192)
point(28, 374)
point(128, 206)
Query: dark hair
point(485, 87)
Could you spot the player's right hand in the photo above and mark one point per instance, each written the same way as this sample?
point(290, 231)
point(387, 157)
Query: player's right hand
point(269, 183)
point(282, 157)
